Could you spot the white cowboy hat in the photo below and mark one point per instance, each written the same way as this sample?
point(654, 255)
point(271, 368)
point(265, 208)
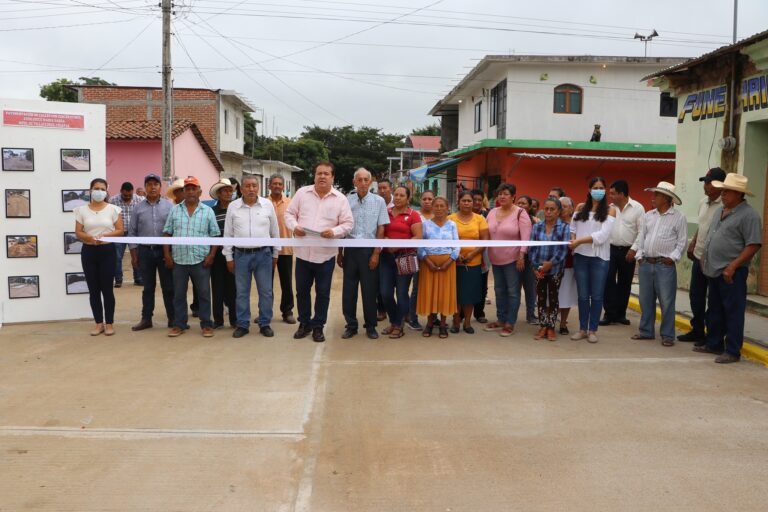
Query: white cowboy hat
point(177, 184)
point(735, 182)
point(667, 189)
point(223, 182)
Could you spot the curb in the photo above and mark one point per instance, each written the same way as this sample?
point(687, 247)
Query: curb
point(750, 350)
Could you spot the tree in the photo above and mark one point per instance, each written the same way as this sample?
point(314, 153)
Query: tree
point(59, 90)
point(250, 133)
point(351, 148)
point(432, 129)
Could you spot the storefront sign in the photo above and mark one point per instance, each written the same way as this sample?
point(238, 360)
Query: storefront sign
point(43, 120)
point(704, 104)
point(754, 94)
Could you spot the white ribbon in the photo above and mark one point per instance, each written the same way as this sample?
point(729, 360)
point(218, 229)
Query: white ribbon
point(312, 241)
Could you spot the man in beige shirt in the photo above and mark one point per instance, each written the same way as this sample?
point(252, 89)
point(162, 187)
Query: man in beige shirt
point(285, 257)
point(697, 292)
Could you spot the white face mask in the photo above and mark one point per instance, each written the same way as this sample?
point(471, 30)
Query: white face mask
point(98, 195)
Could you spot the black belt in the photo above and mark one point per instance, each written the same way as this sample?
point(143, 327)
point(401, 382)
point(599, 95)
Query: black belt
point(654, 260)
point(622, 247)
point(248, 250)
point(151, 247)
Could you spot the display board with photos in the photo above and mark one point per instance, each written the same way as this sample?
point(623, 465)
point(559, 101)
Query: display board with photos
point(23, 287)
point(21, 246)
point(73, 198)
point(71, 243)
point(75, 282)
point(18, 203)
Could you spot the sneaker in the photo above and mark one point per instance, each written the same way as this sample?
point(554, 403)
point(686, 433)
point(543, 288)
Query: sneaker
point(416, 326)
point(579, 335)
point(592, 337)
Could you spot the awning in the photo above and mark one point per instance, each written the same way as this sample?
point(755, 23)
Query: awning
point(549, 156)
point(420, 174)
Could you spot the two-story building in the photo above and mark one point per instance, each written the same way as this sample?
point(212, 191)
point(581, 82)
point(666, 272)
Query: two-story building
point(519, 118)
point(218, 114)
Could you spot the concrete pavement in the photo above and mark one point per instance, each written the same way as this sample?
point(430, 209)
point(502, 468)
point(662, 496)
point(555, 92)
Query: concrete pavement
point(475, 422)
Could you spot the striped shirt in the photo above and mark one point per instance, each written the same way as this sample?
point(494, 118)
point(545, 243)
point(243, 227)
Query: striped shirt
point(662, 235)
point(538, 254)
point(126, 207)
point(201, 223)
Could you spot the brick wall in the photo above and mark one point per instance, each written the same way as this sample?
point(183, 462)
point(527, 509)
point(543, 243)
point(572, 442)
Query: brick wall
point(129, 103)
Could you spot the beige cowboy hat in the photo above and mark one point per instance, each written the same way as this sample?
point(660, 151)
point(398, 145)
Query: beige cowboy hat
point(223, 182)
point(735, 182)
point(667, 189)
point(177, 184)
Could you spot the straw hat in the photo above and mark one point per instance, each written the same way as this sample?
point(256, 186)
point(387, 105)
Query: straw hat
point(179, 183)
point(223, 182)
point(667, 189)
point(735, 182)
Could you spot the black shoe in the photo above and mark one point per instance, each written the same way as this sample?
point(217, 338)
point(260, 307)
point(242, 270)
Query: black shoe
point(239, 332)
point(348, 333)
point(195, 314)
point(302, 332)
point(691, 336)
point(266, 331)
point(317, 335)
point(145, 323)
point(118, 284)
point(218, 325)
point(623, 321)
point(605, 322)
point(372, 334)
point(289, 319)
point(138, 283)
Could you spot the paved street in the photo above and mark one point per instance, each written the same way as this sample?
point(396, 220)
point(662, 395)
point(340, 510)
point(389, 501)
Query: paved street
point(473, 423)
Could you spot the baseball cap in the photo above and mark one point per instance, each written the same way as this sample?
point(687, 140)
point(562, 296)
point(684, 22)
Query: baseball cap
point(152, 176)
point(714, 174)
point(191, 180)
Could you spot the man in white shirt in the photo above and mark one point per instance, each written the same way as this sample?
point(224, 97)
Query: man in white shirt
point(662, 240)
point(251, 217)
point(697, 292)
point(624, 233)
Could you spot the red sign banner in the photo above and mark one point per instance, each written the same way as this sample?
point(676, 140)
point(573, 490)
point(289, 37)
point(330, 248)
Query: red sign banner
point(43, 120)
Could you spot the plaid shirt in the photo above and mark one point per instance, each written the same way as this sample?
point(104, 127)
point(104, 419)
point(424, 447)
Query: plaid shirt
point(202, 222)
point(126, 207)
point(561, 232)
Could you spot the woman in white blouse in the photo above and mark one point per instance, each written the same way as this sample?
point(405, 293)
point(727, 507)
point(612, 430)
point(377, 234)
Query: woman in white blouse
point(590, 242)
point(93, 221)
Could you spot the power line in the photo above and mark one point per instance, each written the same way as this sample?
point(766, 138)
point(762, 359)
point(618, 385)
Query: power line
point(197, 69)
point(129, 43)
point(24, 29)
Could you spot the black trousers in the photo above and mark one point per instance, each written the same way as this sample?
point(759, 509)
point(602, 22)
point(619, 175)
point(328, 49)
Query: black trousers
point(357, 273)
point(222, 291)
point(480, 306)
point(99, 269)
point(285, 274)
point(152, 264)
point(618, 286)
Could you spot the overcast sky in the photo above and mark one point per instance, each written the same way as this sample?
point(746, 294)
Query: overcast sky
point(359, 62)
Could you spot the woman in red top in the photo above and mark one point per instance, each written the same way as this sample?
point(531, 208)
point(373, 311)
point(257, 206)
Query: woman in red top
point(404, 224)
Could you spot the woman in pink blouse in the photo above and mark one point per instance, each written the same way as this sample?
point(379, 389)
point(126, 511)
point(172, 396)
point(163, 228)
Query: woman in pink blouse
point(507, 222)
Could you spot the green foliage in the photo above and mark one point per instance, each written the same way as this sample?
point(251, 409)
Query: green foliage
point(59, 90)
point(250, 133)
point(301, 152)
point(432, 129)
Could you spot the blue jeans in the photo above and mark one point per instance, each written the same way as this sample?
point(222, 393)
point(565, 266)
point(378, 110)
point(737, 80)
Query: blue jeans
point(506, 284)
point(321, 275)
point(392, 283)
point(698, 297)
point(201, 279)
point(120, 251)
point(529, 288)
point(591, 273)
point(259, 265)
point(725, 312)
point(657, 280)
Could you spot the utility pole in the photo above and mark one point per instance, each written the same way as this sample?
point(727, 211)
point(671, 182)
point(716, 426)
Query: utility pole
point(166, 7)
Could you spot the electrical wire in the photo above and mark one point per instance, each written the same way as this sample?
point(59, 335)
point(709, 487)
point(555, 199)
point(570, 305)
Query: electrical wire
point(197, 69)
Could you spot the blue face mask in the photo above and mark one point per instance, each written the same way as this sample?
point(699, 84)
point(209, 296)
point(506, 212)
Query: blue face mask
point(234, 196)
point(597, 194)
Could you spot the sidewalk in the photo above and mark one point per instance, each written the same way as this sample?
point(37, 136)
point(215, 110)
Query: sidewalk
point(755, 325)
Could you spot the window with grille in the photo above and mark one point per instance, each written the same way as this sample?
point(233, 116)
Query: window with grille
point(568, 99)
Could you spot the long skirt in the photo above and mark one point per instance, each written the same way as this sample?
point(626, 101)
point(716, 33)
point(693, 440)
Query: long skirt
point(568, 297)
point(437, 290)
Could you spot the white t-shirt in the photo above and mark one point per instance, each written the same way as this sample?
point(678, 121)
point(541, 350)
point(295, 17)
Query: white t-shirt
point(600, 232)
point(97, 223)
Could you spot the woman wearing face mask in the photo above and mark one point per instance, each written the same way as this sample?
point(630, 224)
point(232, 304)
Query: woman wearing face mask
point(93, 221)
point(590, 242)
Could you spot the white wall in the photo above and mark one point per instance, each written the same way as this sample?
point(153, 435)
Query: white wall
point(232, 140)
point(47, 220)
point(627, 109)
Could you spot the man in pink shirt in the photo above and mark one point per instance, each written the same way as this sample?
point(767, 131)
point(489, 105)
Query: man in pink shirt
point(317, 210)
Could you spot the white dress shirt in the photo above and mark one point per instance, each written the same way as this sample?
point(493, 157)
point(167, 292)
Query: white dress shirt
point(256, 221)
point(662, 235)
point(626, 227)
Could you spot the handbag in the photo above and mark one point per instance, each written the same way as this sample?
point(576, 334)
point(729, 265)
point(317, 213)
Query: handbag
point(407, 264)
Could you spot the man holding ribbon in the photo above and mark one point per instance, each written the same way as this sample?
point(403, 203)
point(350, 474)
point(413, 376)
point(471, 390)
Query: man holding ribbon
point(317, 210)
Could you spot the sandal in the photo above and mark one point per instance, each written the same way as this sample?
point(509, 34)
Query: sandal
point(443, 330)
point(388, 330)
point(668, 342)
point(639, 336)
point(493, 326)
point(427, 332)
point(395, 333)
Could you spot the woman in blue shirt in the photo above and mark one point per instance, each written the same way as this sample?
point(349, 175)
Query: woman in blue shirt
point(547, 263)
point(437, 273)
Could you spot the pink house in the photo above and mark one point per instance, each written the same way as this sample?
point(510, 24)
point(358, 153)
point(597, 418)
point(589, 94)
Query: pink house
point(134, 150)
